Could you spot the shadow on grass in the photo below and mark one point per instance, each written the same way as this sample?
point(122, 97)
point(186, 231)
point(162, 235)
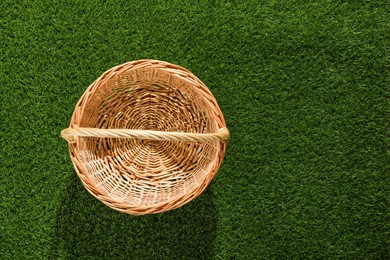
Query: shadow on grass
point(86, 228)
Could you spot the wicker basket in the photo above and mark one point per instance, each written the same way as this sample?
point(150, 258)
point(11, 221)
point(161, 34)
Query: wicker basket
point(146, 137)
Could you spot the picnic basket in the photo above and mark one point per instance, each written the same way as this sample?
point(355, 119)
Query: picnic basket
point(146, 137)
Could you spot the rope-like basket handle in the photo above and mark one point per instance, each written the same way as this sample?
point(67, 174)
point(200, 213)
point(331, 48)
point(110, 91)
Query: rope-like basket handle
point(69, 134)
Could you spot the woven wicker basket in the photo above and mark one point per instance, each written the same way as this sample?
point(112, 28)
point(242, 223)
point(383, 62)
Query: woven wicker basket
point(146, 137)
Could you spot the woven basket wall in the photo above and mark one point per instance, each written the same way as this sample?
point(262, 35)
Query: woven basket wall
point(146, 137)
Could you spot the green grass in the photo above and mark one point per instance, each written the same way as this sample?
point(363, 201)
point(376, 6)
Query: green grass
point(303, 85)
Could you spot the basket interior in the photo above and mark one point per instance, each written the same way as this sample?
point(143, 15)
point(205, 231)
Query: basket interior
point(141, 172)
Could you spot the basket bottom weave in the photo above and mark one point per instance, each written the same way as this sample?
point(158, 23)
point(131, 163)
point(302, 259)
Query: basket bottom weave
point(139, 172)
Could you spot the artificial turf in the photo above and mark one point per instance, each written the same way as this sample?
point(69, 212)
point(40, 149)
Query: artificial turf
point(304, 88)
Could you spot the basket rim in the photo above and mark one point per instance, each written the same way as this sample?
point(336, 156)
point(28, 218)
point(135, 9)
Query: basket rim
point(72, 134)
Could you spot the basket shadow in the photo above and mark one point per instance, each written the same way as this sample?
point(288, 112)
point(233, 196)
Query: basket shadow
point(87, 228)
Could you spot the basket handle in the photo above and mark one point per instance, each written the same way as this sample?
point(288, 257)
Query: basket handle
point(69, 134)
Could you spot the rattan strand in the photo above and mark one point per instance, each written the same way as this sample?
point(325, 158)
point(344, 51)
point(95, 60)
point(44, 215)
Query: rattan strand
point(146, 137)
